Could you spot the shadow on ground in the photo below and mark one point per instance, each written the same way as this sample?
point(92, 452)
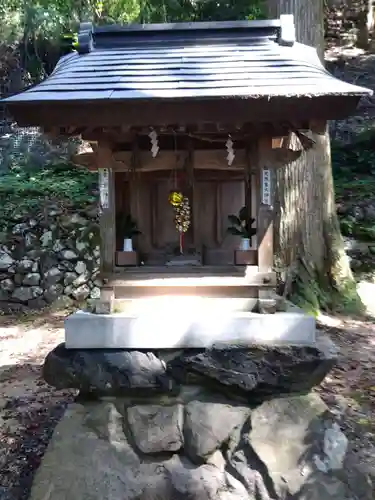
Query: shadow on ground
point(29, 412)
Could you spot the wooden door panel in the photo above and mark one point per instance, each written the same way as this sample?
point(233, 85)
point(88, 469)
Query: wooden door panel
point(232, 197)
point(204, 214)
point(165, 230)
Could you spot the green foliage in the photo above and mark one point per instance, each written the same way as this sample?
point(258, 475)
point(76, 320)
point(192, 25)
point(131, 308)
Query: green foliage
point(354, 175)
point(206, 10)
point(353, 166)
point(241, 224)
point(126, 226)
point(360, 230)
point(27, 193)
point(37, 26)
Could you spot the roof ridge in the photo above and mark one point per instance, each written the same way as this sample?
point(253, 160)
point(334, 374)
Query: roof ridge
point(283, 30)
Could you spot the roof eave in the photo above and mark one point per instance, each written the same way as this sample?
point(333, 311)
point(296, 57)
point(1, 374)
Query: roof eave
point(143, 112)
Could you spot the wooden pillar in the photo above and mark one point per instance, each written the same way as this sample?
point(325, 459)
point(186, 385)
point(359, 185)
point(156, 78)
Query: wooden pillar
point(267, 301)
point(249, 154)
point(189, 167)
point(107, 211)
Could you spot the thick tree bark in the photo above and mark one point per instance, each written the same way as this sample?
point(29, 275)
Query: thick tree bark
point(309, 239)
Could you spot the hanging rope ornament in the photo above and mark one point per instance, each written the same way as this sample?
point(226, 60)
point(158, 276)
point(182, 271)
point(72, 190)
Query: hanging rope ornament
point(181, 207)
point(229, 146)
point(154, 143)
point(182, 216)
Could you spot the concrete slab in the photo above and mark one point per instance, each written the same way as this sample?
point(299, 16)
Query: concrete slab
point(176, 328)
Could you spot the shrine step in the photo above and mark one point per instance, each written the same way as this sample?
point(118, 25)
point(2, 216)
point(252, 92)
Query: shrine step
point(138, 292)
point(183, 303)
point(206, 281)
point(214, 286)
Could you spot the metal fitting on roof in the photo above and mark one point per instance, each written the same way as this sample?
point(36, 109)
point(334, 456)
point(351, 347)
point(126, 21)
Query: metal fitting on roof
point(287, 30)
point(85, 39)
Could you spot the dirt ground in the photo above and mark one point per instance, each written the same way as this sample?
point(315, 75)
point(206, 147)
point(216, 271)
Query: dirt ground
point(349, 389)
point(30, 409)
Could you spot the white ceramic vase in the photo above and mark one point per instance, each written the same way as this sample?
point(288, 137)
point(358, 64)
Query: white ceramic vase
point(245, 244)
point(128, 245)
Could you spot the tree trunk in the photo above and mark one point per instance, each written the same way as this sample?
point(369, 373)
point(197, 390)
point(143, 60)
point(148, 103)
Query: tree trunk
point(308, 239)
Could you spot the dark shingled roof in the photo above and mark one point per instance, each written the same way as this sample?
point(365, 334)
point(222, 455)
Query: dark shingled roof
point(244, 59)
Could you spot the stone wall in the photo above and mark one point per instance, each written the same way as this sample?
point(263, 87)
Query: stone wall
point(27, 146)
point(53, 256)
point(349, 21)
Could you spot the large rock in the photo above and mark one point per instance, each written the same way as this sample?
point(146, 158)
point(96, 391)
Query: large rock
point(46, 238)
point(7, 285)
point(81, 267)
point(270, 457)
point(5, 261)
point(81, 293)
point(156, 428)
point(68, 254)
point(95, 293)
point(89, 456)
point(53, 292)
point(257, 372)
point(106, 372)
point(81, 279)
point(58, 246)
point(276, 456)
point(31, 279)
point(209, 423)
point(53, 276)
point(69, 278)
point(25, 265)
point(25, 294)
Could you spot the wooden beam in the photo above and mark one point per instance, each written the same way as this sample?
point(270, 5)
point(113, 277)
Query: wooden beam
point(87, 160)
point(266, 302)
point(203, 160)
point(216, 159)
point(318, 126)
point(189, 163)
point(107, 208)
point(251, 152)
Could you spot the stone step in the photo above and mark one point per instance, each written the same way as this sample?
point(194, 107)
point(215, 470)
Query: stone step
point(173, 327)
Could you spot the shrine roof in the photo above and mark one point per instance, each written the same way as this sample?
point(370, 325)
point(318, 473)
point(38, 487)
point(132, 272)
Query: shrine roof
point(188, 61)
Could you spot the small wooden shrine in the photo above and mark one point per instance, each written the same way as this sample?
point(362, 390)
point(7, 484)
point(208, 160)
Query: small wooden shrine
point(186, 124)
